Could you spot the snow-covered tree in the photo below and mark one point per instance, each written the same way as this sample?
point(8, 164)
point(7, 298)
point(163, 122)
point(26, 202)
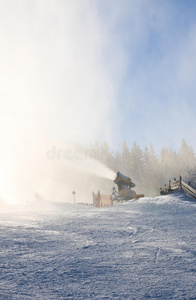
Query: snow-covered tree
point(187, 160)
point(136, 163)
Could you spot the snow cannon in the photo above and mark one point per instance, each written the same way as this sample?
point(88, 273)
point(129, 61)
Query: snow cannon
point(125, 191)
point(123, 194)
point(123, 181)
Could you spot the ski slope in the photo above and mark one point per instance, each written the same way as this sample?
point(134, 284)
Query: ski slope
point(143, 249)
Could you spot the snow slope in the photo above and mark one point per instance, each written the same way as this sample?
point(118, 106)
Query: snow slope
point(143, 249)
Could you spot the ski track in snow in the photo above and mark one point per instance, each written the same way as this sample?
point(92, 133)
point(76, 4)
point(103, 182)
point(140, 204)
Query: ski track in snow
point(144, 249)
point(157, 254)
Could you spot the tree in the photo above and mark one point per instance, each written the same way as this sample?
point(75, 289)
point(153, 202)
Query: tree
point(118, 161)
point(187, 160)
point(152, 172)
point(126, 159)
point(136, 164)
point(170, 165)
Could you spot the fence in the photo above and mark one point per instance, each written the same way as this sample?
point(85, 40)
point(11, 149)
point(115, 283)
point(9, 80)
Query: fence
point(178, 184)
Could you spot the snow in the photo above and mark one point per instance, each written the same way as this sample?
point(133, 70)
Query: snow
point(143, 249)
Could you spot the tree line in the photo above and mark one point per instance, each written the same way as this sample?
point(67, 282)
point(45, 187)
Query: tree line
point(146, 169)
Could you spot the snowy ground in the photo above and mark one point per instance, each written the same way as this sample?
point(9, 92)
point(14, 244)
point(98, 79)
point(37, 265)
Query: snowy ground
point(143, 249)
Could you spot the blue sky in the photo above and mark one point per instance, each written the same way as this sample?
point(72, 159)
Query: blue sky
point(110, 70)
point(157, 89)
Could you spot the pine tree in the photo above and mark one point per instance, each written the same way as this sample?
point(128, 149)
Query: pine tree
point(187, 160)
point(126, 159)
point(118, 162)
point(136, 164)
point(152, 172)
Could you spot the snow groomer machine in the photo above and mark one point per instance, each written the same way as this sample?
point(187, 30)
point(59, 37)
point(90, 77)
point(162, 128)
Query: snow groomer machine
point(123, 194)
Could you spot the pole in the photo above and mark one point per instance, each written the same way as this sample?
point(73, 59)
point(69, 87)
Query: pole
point(181, 182)
point(74, 196)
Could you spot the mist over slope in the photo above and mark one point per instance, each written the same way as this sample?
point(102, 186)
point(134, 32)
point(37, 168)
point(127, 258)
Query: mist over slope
point(74, 71)
point(143, 249)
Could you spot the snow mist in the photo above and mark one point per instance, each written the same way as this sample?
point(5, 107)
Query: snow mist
point(53, 88)
point(52, 174)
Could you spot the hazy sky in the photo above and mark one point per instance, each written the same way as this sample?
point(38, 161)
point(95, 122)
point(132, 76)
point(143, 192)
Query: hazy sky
point(109, 70)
